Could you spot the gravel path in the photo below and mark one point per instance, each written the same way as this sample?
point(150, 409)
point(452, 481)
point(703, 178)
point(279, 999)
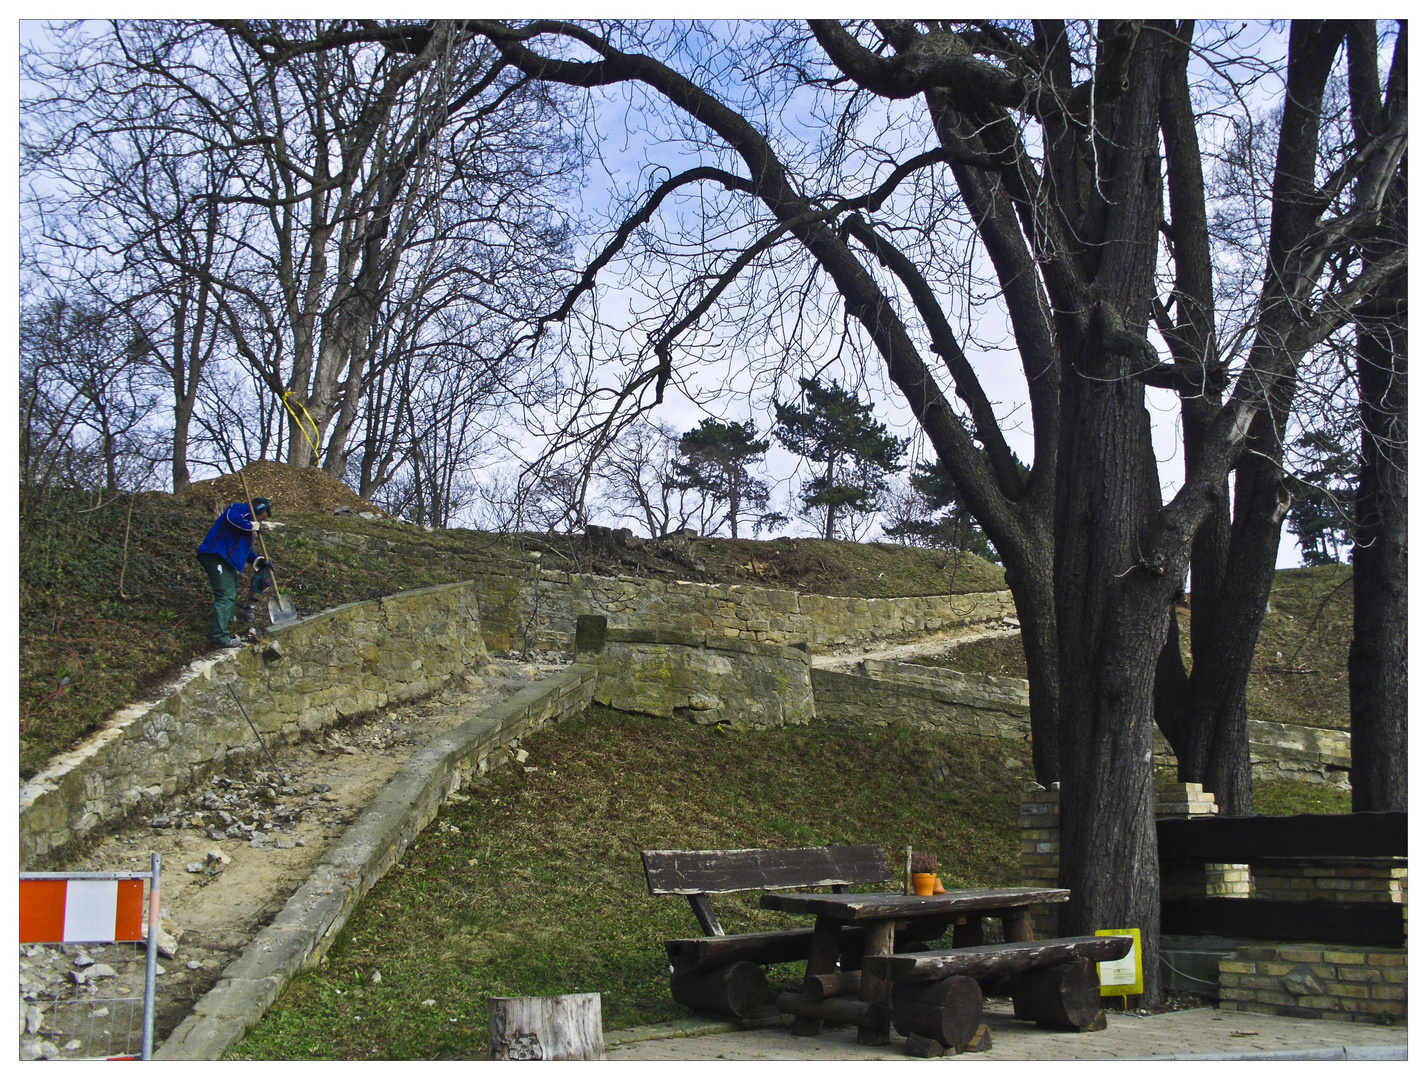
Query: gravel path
point(234, 850)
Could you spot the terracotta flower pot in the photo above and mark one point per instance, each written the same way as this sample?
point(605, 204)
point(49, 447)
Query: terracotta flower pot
point(924, 884)
point(938, 888)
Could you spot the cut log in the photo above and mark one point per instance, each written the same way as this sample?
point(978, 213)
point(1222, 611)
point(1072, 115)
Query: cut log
point(841, 1010)
point(980, 1042)
point(917, 1046)
point(948, 1011)
point(1065, 997)
point(822, 987)
point(563, 1028)
point(982, 960)
point(738, 990)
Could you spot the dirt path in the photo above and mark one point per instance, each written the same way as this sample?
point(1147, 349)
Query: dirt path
point(234, 851)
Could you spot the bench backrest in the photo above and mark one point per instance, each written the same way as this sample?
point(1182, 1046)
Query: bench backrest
point(690, 872)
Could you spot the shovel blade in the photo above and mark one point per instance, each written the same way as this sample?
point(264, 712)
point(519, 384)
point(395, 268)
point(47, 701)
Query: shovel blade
point(281, 611)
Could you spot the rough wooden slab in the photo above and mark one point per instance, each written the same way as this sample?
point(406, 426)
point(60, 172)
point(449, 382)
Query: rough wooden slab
point(746, 869)
point(983, 960)
point(875, 907)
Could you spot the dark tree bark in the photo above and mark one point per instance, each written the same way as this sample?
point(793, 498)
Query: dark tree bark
point(1094, 558)
point(1377, 658)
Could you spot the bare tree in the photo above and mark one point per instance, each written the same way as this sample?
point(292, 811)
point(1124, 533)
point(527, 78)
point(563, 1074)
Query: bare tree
point(1058, 140)
point(637, 473)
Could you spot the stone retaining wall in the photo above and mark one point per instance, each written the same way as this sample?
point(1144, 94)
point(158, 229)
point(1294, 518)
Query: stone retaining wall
point(539, 612)
point(705, 678)
point(300, 680)
point(303, 931)
point(1316, 981)
point(896, 693)
point(926, 696)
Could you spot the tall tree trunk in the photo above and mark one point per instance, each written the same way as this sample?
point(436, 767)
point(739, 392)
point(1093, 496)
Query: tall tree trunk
point(182, 419)
point(1377, 658)
point(1112, 616)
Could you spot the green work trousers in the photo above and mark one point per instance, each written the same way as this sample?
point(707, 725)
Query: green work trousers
point(224, 581)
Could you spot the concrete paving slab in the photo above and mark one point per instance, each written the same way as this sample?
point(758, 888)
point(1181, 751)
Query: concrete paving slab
point(1189, 1034)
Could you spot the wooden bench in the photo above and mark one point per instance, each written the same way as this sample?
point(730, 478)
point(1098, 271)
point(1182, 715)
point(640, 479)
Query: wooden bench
point(721, 973)
point(937, 995)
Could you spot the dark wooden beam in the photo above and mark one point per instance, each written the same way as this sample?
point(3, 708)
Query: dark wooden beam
point(1244, 839)
point(1350, 923)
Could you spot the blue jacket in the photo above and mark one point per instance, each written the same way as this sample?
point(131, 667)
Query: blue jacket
point(231, 537)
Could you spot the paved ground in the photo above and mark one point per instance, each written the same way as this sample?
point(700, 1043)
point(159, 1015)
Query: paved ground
point(1187, 1034)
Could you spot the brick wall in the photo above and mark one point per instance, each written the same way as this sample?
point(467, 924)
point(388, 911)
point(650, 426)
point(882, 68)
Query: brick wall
point(1320, 982)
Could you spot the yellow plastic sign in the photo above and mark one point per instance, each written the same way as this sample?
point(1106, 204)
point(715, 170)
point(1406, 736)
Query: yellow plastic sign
point(1125, 976)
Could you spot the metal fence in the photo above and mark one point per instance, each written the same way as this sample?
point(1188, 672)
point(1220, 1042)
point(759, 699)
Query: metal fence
point(88, 959)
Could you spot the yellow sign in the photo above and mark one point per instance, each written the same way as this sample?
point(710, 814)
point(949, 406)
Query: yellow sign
point(1125, 976)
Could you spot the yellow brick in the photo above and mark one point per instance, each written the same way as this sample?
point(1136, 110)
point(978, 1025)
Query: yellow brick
point(1383, 992)
point(1236, 966)
point(1299, 955)
point(1394, 975)
point(1270, 967)
point(1347, 990)
point(1387, 1008)
point(1337, 956)
point(1379, 959)
point(1356, 973)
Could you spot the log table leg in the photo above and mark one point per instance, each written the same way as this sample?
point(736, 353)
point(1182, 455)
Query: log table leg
point(877, 941)
point(1018, 925)
point(822, 960)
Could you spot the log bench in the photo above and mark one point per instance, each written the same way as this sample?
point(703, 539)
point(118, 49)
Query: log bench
point(937, 995)
point(721, 973)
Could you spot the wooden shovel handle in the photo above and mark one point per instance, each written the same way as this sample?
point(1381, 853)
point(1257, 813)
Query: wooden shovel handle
point(261, 542)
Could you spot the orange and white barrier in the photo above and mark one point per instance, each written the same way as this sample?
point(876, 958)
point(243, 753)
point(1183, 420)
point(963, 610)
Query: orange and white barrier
point(81, 910)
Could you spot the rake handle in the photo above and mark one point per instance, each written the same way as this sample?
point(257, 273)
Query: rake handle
point(261, 542)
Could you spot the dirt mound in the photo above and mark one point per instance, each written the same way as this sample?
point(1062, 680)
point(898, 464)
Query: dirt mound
point(289, 489)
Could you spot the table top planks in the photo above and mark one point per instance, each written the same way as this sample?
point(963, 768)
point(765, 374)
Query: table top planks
point(878, 907)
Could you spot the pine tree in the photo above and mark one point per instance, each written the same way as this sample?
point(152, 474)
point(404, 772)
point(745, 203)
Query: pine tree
point(838, 431)
point(714, 459)
point(939, 519)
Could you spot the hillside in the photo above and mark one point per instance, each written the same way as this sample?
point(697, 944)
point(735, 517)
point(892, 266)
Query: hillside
point(101, 625)
point(88, 647)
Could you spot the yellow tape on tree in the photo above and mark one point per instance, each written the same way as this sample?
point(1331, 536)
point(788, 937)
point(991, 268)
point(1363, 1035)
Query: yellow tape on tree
point(316, 454)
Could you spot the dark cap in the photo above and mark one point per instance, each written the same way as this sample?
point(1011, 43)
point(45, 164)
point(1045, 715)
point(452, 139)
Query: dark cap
point(262, 506)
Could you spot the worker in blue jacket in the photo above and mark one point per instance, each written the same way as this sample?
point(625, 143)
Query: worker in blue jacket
point(224, 554)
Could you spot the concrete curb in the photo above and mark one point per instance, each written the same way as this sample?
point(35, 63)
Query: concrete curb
point(304, 929)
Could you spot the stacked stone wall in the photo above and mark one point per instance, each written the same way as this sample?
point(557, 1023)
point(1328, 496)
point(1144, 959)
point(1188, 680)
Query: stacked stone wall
point(705, 678)
point(1315, 981)
point(302, 679)
point(539, 612)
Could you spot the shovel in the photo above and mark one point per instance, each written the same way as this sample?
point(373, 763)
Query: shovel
point(280, 610)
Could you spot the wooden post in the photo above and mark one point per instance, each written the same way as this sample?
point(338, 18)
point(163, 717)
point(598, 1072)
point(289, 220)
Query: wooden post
point(822, 960)
point(876, 941)
point(563, 1028)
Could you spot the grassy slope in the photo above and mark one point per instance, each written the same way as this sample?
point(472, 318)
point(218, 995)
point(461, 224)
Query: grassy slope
point(534, 886)
point(85, 651)
point(1300, 673)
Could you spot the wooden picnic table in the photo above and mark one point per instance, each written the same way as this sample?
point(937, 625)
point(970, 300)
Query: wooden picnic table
point(879, 914)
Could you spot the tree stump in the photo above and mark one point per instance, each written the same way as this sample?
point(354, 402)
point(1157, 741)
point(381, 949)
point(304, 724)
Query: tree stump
point(563, 1028)
point(1066, 997)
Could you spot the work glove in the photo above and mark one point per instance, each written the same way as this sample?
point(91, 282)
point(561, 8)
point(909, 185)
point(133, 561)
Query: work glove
point(262, 565)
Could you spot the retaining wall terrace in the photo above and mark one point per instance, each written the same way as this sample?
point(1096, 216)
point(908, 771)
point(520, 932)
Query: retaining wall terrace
point(303, 931)
point(299, 680)
point(704, 678)
point(538, 611)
